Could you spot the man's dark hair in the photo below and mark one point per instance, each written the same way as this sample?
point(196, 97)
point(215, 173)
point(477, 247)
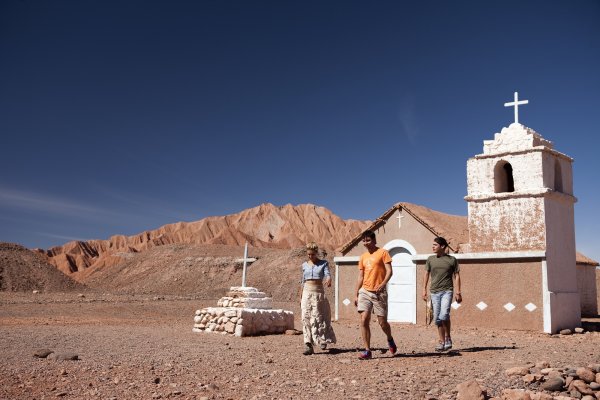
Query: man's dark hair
point(368, 234)
point(441, 241)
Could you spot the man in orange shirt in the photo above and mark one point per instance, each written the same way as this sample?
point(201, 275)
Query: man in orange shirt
point(375, 271)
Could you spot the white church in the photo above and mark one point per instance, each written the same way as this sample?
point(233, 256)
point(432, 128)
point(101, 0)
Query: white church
point(519, 265)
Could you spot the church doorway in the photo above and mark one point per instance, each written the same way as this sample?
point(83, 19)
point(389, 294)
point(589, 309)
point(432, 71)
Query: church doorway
point(402, 288)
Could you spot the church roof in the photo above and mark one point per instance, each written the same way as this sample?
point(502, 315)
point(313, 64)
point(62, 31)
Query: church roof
point(452, 227)
point(581, 259)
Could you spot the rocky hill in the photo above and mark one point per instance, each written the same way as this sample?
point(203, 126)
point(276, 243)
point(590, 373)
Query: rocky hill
point(202, 271)
point(22, 270)
point(264, 226)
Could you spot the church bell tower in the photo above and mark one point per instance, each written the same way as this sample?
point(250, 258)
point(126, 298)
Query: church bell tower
point(520, 199)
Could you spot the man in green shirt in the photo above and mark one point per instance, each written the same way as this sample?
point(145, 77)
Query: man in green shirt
point(444, 272)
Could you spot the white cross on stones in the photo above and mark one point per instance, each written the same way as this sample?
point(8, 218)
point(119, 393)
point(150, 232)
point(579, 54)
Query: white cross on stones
point(245, 260)
point(516, 105)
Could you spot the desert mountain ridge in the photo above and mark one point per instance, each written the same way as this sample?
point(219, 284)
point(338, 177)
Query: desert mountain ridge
point(263, 226)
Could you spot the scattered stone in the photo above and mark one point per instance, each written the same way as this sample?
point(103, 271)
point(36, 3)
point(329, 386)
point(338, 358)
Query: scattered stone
point(63, 356)
point(515, 394)
point(293, 332)
point(566, 332)
point(212, 386)
point(579, 330)
point(581, 387)
point(470, 390)
point(554, 384)
point(595, 386)
point(588, 397)
point(42, 353)
point(36, 292)
point(517, 371)
point(586, 374)
point(594, 367)
point(542, 364)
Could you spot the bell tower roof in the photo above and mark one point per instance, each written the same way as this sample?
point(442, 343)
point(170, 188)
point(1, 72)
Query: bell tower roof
point(515, 138)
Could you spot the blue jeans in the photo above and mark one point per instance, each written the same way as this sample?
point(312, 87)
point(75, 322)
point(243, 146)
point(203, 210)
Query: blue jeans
point(441, 306)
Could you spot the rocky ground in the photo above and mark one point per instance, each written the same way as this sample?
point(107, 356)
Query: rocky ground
point(142, 346)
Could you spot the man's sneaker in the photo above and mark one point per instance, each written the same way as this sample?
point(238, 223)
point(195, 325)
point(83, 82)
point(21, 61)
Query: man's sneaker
point(365, 355)
point(448, 344)
point(392, 346)
point(308, 349)
point(440, 346)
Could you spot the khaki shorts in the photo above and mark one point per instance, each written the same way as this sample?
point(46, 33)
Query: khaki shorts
point(371, 301)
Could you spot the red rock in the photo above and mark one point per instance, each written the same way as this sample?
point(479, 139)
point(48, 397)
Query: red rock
point(515, 394)
point(517, 371)
point(586, 374)
point(470, 390)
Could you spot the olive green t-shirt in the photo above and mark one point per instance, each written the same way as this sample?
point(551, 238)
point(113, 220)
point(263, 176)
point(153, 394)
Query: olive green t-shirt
point(441, 270)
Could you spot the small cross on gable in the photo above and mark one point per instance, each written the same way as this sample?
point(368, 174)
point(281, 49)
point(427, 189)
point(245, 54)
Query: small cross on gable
point(400, 216)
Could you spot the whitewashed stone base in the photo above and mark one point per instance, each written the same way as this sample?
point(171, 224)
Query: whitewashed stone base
point(243, 321)
point(265, 303)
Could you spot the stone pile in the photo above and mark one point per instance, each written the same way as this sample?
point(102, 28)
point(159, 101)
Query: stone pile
point(245, 297)
point(243, 312)
point(545, 383)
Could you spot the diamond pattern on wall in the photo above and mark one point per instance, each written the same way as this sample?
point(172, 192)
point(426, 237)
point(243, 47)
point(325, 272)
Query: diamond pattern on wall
point(346, 302)
point(455, 305)
point(509, 307)
point(481, 305)
point(530, 307)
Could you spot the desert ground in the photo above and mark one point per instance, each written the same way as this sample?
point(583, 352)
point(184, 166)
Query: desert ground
point(135, 346)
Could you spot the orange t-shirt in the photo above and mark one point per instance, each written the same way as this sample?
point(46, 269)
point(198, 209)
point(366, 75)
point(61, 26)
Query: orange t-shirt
point(374, 267)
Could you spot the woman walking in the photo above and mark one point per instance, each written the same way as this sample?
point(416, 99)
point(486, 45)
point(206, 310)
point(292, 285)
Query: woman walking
point(316, 313)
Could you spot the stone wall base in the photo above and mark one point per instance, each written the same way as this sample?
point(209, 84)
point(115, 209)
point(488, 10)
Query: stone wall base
point(243, 321)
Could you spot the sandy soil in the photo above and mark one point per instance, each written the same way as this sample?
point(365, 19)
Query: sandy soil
point(143, 347)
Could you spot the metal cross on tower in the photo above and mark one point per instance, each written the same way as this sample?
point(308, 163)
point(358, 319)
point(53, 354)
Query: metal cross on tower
point(516, 105)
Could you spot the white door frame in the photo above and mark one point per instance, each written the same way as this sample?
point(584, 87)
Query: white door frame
point(399, 243)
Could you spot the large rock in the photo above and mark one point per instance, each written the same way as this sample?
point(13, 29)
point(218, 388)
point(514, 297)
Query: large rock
point(515, 394)
point(586, 374)
point(554, 384)
point(470, 390)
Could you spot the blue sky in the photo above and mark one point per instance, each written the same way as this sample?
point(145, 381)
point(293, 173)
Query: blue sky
point(121, 116)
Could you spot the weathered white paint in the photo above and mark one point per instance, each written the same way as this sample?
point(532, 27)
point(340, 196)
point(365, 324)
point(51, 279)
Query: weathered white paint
point(536, 216)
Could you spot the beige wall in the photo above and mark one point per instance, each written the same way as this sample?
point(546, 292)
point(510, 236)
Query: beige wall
point(493, 283)
point(588, 292)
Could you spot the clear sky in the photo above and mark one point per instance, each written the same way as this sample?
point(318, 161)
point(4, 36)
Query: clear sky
point(122, 116)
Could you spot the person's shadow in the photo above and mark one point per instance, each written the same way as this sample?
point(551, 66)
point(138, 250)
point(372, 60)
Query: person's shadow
point(382, 350)
point(455, 352)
